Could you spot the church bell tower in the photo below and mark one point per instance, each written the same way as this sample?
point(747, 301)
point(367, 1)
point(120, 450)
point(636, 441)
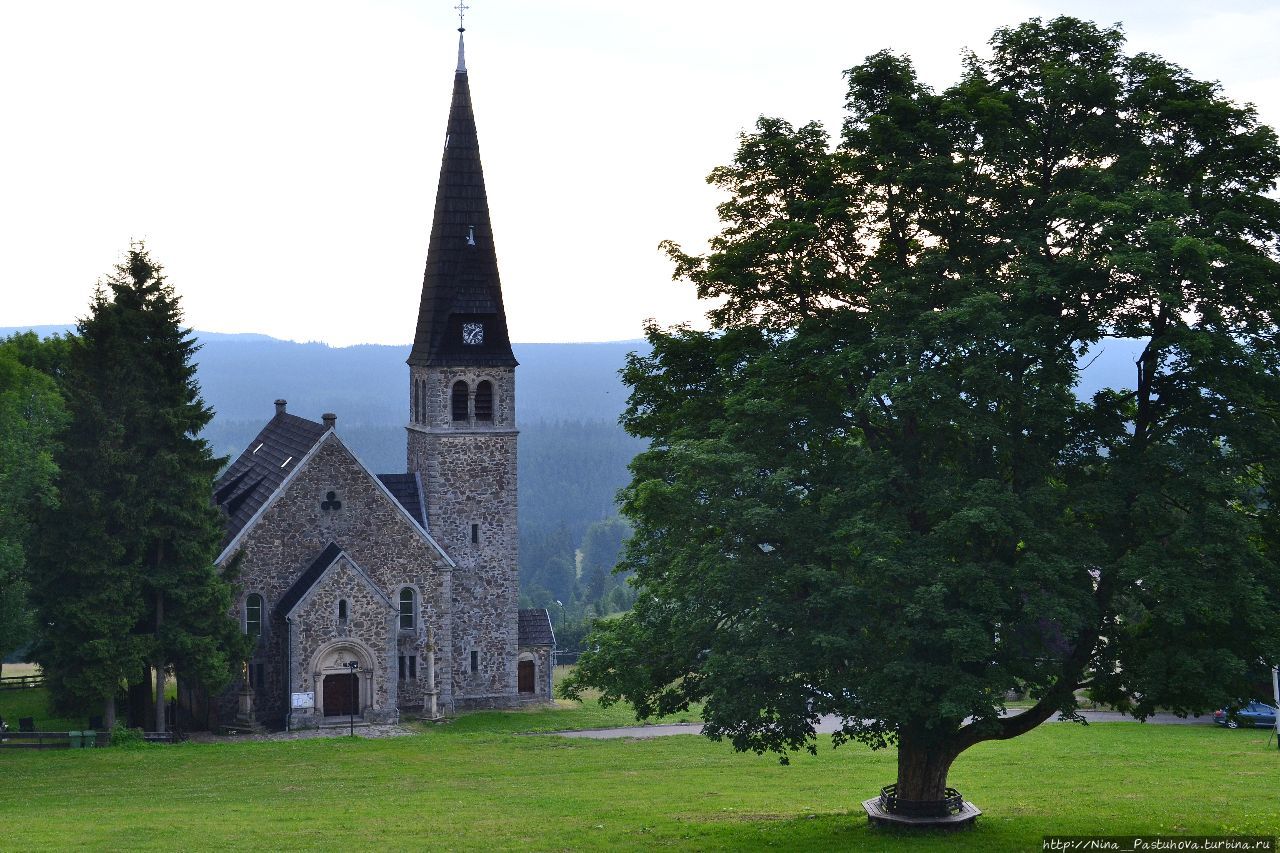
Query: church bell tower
point(462, 417)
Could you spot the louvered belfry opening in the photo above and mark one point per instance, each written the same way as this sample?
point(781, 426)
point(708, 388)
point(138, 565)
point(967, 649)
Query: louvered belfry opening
point(484, 401)
point(459, 400)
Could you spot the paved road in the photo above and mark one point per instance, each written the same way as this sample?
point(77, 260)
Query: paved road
point(830, 724)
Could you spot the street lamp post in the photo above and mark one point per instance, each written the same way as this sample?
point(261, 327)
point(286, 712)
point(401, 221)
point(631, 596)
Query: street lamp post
point(556, 647)
point(352, 665)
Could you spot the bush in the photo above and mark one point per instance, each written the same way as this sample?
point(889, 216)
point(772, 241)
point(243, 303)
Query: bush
point(127, 738)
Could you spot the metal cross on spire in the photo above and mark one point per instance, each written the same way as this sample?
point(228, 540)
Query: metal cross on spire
point(462, 8)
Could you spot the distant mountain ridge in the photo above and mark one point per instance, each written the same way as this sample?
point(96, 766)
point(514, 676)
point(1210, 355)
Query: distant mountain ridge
point(242, 374)
point(573, 452)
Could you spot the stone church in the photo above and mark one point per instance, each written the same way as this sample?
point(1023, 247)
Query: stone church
point(379, 595)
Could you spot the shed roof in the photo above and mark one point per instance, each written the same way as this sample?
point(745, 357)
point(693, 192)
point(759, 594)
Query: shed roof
point(535, 628)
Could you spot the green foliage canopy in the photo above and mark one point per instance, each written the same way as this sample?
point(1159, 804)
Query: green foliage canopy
point(31, 417)
point(871, 491)
point(125, 576)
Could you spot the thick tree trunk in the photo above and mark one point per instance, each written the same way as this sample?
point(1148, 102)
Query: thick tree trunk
point(922, 769)
point(109, 713)
point(160, 727)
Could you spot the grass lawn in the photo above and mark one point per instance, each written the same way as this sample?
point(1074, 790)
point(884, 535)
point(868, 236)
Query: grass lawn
point(484, 782)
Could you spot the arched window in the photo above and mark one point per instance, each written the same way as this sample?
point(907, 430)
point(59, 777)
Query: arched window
point(342, 611)
point(422, 401)
point(460, 400)
point(408, 606)
point(253, 615)
point(415, 401)
point(484, 401)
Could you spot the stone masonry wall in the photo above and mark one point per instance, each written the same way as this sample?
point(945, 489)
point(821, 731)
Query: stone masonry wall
point(471, 481)
point(373, 531)
point(468, 470)
point(431, 396)
point(367, 635)
point(542, 672)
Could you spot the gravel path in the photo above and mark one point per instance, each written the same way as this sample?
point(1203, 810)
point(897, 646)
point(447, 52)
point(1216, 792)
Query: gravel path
point(304, 734)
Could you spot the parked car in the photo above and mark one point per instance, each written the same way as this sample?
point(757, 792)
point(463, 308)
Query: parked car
point(1254, 714)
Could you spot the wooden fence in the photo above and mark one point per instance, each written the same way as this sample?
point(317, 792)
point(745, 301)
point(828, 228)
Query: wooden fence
point(52, 740)
point(67, 740)
point(21, 682)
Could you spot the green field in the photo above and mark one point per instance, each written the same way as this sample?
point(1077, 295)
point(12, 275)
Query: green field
point(483, 782)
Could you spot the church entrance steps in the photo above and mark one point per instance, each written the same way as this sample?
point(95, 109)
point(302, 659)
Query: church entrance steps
point(343, 723)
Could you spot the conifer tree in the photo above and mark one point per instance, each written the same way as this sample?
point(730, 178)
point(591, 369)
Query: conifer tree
point(135, 544)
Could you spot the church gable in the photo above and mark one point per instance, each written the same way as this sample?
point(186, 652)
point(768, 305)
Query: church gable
point(332, 574)
point(332, 497)
point(337, 615)
point(331, 519)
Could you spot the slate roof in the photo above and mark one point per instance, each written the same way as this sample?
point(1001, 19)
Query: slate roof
point(245, 486)
point(407, 490)
point(461, 282)
point(307, 579)
point(535, 628)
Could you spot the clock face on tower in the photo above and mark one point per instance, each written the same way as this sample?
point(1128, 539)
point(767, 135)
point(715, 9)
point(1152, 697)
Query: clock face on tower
point(473, 333)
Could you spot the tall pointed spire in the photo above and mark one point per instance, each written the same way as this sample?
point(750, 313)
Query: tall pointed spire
point(461, 320)
point(462, 13)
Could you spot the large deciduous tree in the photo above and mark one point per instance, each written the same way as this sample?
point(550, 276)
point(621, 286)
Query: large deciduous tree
point(127, 580)
point(871, 490)
point(31, 417)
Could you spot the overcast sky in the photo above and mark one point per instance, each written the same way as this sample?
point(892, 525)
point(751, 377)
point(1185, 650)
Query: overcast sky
point(280, 158)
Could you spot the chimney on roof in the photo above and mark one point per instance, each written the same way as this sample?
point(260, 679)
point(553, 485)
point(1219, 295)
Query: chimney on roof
point(280, 404)
point(329, 419)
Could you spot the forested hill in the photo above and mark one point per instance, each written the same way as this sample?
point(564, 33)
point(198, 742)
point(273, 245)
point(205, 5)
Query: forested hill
point(573, 454)
point(572, 460)
point(370, 384)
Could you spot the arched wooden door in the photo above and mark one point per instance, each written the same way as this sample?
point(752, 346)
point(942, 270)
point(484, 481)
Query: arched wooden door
point(341, 695)
point(524, 676)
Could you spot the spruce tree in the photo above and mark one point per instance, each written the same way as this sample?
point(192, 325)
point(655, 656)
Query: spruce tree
point(137, 540)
